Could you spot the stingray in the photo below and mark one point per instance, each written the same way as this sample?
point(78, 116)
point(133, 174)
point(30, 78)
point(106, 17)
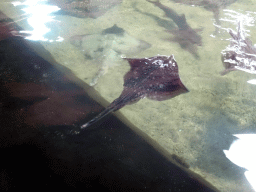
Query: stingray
point(185, 35)
point(107, 48)
point(211, 5)
point(85, 8)
point(240, 54)
point(156, 78)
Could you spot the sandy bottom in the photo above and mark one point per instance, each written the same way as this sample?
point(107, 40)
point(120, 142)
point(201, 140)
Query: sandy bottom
point(196, 126)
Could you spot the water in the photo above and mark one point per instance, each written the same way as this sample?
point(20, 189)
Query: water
point(196, 126)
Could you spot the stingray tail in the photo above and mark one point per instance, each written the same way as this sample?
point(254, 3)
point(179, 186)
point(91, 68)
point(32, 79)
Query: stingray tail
point(114, 106)
point(98, 117)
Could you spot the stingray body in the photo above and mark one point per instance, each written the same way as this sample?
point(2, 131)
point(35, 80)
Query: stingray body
point(240, 54)
point(85, 8)
point(212, 5)
point(156, 78)
point(185, 35)
point(107, 48)
point(180, 21)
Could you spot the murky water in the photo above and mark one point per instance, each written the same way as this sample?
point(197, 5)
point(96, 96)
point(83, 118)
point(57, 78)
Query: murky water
point(196, 126)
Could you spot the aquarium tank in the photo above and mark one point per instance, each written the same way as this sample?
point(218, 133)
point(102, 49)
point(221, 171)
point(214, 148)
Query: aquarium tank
point(128, 95)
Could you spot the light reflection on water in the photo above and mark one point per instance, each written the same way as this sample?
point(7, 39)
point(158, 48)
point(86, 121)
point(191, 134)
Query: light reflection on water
point(40, 19)
point(242, 153)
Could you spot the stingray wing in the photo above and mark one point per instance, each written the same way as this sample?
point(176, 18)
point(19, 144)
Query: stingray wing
point(156, 78)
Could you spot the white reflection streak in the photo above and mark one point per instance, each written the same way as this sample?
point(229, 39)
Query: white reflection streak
point(39, 16)
point(252, 81)
point(234, 17)
point(242, 153)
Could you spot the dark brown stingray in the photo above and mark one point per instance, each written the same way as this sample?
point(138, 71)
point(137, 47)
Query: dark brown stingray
point(185, 35)
point(240, 54)
point(85, 8)
point(156, 78)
